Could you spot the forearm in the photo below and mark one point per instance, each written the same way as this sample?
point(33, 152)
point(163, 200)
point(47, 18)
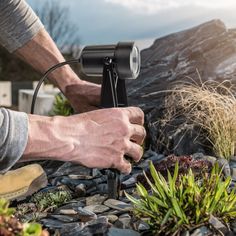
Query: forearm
point(42, 53)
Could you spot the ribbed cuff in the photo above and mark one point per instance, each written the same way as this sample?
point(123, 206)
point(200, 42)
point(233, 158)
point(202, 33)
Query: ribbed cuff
point(13, 137)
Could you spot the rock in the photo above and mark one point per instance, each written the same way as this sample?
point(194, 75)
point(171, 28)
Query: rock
point(73, 183)
point(80, 190)
point(233, 158)
point(232, 165)
point(144, 164)
point(96, 199)
point(129, 183)
point(201, 156)
point(223, 163)
point(52, 223)
point(233, 173)
point(210, 48)
point(72, 229)
point(218, 225)
point(99, 220)
point(156, 158)
point(112, 218)
point(118, 205)
point(96, 208)
point(68, 168)
point(125, 232)
point(85, 215)
point(98, 189)
point(202, 231)
point(65, 218)
point(69, 208)
point(80, 176)
point(124, 222)
point(95, 227)
point(143, 226)
point(114, 212)
point(162, 65)
point(67, 212)
point(233, 226)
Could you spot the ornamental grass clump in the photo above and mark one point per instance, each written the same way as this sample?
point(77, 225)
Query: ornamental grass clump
point(210, 107)
point(181, 202)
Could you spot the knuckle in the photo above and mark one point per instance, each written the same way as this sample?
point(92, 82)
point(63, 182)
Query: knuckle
point(124, 129)
point(119, 113)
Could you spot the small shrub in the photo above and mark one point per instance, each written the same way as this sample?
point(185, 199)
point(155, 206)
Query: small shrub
point(61, 106)
point(173, 206)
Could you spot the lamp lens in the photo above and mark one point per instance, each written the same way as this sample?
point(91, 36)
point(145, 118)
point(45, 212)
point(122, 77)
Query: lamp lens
point(135, 61)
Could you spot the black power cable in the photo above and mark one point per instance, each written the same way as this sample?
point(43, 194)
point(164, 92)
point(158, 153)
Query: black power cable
point(73, 61)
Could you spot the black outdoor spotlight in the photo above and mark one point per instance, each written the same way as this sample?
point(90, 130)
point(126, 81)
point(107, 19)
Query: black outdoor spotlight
point(115, 63)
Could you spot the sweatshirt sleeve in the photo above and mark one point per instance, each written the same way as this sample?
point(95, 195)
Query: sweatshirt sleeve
point(18, 24)
point(13, 137)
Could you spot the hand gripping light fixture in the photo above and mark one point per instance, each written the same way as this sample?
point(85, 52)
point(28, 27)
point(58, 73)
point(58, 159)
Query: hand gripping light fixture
point(115, 63)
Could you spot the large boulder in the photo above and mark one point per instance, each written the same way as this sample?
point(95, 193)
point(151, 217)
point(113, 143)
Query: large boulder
point(209, 48)
point(205, 52)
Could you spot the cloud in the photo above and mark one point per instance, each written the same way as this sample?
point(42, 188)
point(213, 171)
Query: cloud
point(154, 6)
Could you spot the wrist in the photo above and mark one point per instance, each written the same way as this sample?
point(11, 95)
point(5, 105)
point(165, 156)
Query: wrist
point(43, 141)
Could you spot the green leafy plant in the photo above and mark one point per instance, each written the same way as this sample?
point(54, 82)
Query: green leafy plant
point(10, 226)
point(181, 202)
point(51, 200)
point(209, 106)
point(62, 106)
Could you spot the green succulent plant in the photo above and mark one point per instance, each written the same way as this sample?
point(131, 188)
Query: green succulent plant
point(181, 202)
point(62, 106)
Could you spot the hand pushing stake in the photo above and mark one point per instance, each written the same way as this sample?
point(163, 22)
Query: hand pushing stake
point(115, 63)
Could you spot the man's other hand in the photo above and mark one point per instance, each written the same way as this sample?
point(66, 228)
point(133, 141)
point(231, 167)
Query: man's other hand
point(83, 96)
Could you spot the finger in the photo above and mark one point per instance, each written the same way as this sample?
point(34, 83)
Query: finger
point(122, 165)
point(135, 115)
point(138, 134)
point(135, 151)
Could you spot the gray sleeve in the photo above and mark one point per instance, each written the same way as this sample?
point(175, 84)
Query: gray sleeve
point(13, 137)
point(18, 24)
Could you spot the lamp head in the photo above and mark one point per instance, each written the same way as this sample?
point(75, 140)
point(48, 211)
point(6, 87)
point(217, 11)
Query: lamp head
point(125, 57)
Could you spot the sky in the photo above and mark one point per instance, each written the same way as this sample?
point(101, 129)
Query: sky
point(110, 21)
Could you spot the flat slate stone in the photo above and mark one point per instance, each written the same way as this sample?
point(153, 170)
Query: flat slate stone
point(118, 205)
point(125, 232)
point(96, 199)
point(86, 215)
point(97, 208)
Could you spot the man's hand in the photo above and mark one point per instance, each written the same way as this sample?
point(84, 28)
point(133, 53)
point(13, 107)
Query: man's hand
point(98, 138)
point(83, 96)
